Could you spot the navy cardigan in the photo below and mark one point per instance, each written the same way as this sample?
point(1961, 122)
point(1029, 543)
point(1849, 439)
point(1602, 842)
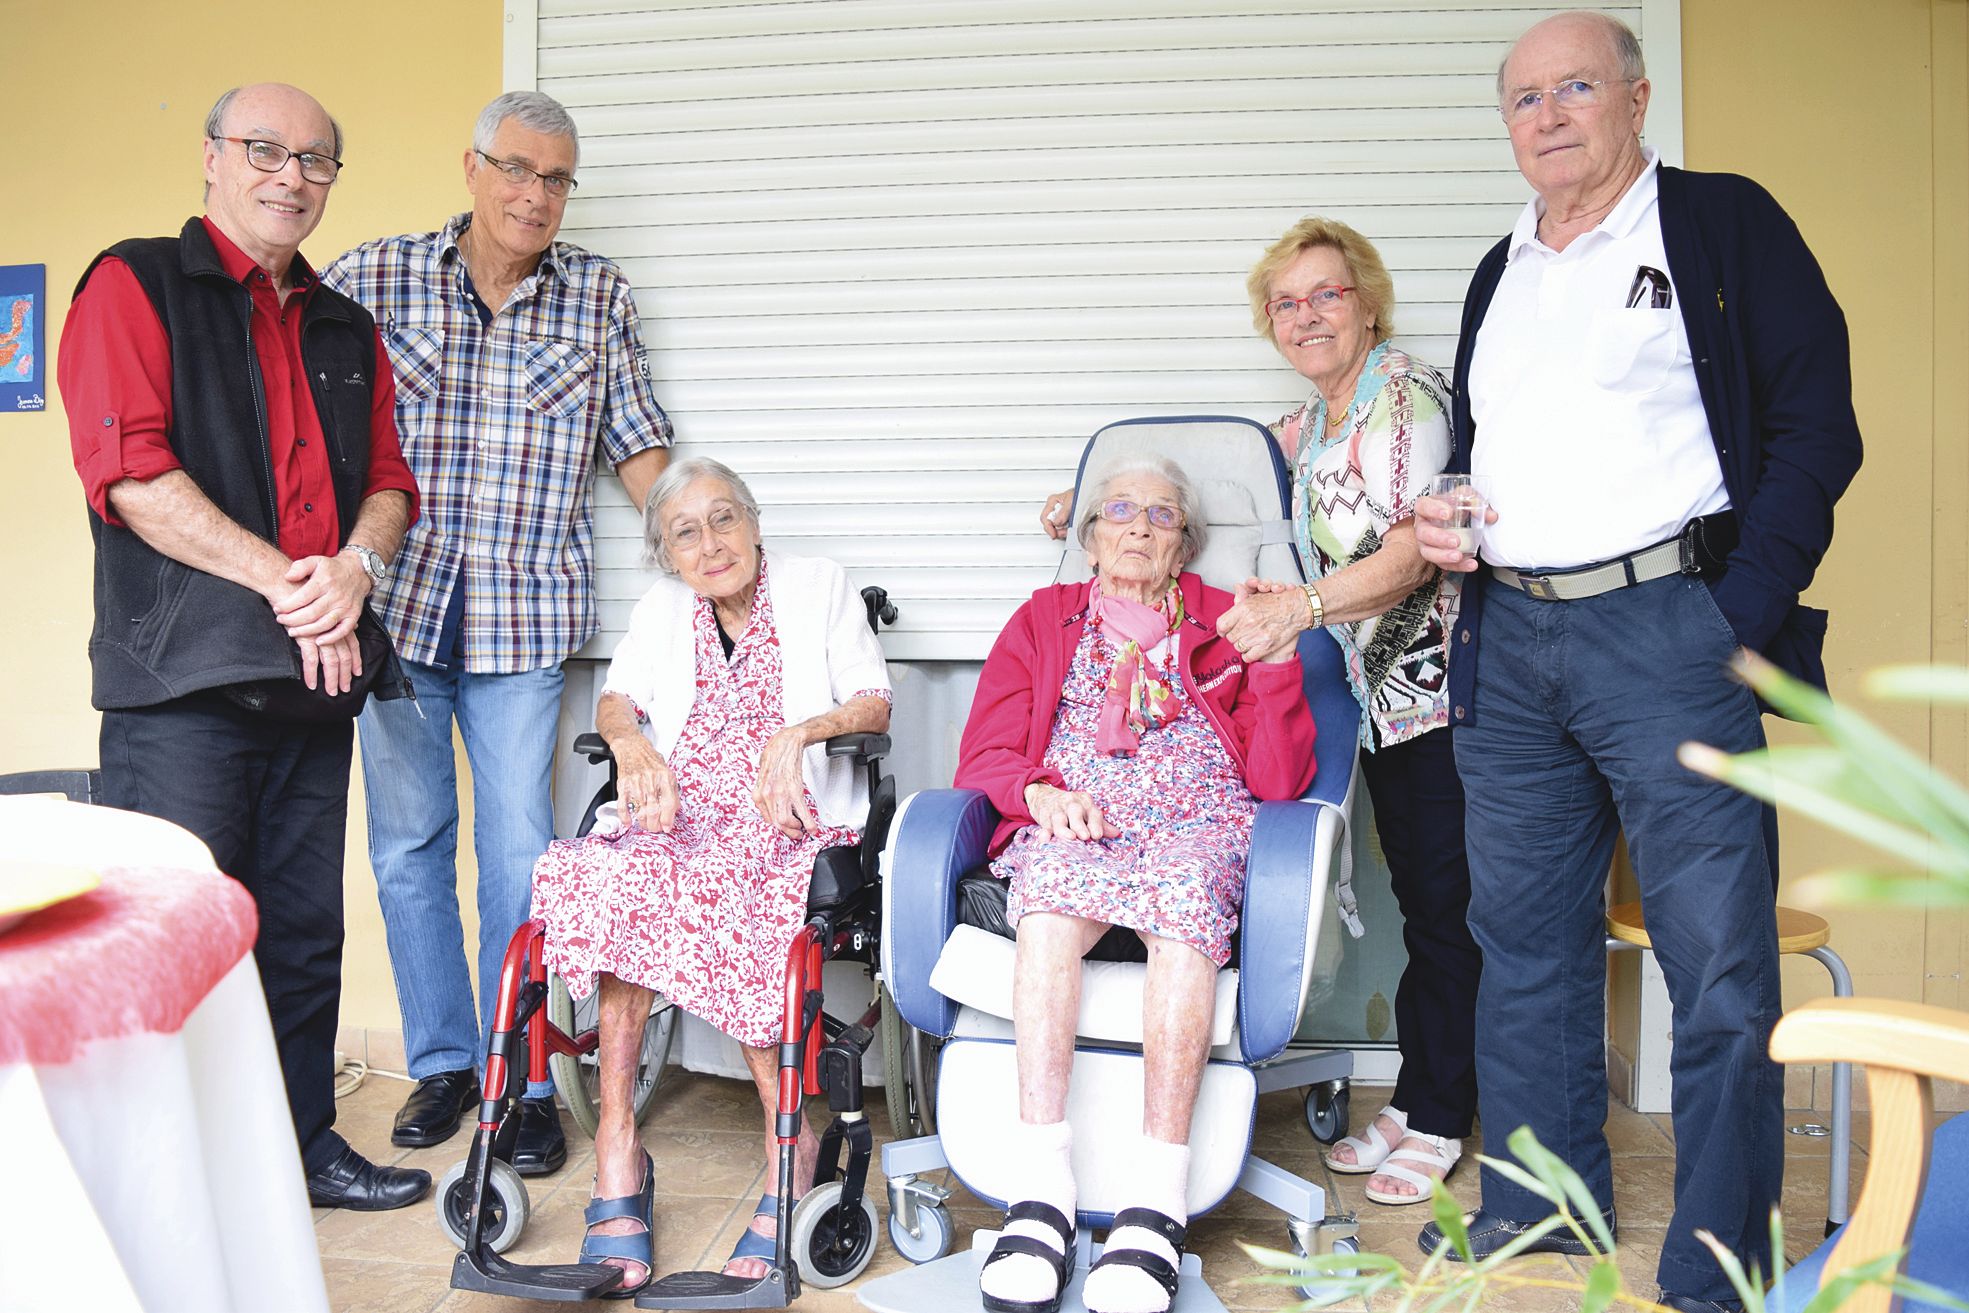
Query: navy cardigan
point(1774, 369)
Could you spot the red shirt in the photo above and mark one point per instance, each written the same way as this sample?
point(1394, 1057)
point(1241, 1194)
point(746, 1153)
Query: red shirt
point(114, 367)
point(1258, 708)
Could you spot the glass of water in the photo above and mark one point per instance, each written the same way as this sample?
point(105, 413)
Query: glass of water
point(1467, 503)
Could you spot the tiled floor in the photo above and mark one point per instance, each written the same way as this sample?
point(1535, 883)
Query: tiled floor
point(711, 1169)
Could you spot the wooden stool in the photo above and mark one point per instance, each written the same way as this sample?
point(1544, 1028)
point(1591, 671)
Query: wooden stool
point(1798, 932)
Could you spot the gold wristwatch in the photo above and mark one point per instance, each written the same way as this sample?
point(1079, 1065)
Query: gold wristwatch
point(1313, 603)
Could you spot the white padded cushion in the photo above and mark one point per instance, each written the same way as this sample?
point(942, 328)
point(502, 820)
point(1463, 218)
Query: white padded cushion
point(975, 969)
point(978, 1100)
point(43, 829)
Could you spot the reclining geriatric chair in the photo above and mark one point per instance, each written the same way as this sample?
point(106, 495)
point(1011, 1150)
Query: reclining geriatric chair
point(953, 981)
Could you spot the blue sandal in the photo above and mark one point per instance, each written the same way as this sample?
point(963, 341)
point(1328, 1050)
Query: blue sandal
point(632, 1248)
point(753, 1245)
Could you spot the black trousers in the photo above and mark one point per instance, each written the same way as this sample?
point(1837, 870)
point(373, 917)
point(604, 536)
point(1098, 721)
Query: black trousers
point(270, 799)
point(1418, 812)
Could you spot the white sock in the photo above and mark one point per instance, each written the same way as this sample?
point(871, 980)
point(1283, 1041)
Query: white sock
point(1160, 1176)
point(1046, 1153)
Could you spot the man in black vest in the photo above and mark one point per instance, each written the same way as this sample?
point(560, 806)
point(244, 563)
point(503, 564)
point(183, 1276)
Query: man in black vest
point(233, 425)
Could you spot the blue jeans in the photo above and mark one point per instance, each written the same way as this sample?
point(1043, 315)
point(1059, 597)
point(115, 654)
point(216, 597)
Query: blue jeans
point(1580, 707)
point(509, 724)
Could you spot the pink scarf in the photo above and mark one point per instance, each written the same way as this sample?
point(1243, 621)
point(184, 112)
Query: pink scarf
point(1140, 694)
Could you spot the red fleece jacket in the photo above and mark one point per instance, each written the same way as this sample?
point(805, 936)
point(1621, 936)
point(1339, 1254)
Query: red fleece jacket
point(1258, 709)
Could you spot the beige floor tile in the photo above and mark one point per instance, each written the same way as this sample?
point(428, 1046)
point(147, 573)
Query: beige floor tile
point(1632, 1134)
point(1637, 1256)
point(406, 1235)
point(373, 1286)
point(1644, 1192)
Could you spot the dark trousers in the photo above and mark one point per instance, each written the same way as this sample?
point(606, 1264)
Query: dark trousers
point(270, 799)
point(1580, 707)
point(1418, 813)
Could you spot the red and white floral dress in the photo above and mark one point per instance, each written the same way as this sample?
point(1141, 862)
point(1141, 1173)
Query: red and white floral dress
point(706, 913)
point(1177, 871)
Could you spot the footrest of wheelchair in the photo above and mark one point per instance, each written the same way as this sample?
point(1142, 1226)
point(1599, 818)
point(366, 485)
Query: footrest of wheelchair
point(565, 1282)
point(716, 1290)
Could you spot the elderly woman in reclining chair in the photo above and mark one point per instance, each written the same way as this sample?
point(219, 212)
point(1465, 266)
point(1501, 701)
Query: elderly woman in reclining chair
point(1123, 741)
point(694, 883)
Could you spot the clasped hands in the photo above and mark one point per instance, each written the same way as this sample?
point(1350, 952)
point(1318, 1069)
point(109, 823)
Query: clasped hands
point(319, 609)
point(1267, 620)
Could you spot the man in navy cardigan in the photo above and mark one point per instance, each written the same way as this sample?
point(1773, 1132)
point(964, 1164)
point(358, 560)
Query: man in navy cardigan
point(1654, 391)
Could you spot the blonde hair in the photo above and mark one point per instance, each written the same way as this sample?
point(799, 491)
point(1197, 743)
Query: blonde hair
point(1373, 287)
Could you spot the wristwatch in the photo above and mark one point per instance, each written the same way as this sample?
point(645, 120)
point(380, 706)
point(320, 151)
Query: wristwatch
point(372, 562)
point(1314, 605)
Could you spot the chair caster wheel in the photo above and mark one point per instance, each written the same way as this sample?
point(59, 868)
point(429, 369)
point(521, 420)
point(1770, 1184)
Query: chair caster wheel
point(934, 1232)
point(506, 1206)
point(1326, 1110)
point(831, 1248)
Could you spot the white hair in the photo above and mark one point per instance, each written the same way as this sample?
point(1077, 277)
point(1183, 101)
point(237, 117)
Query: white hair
point(1626, 46)
point(535, 110)
point(1195, 532)
point(676, 477)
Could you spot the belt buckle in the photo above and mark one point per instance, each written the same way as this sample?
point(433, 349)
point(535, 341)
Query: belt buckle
point(1538, 586)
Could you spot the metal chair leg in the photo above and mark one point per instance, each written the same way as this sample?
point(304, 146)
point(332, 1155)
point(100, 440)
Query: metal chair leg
point(1840, 1172)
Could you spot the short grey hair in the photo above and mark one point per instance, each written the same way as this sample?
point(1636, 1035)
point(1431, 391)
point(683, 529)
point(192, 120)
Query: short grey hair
point(676, 477)
point(1626, 46)
point(215, 125)
point(536, 111)
point(1196, 533)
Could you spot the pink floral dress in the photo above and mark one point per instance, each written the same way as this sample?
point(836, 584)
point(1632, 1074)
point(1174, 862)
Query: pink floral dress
point(705, 914)
point(1177, 871)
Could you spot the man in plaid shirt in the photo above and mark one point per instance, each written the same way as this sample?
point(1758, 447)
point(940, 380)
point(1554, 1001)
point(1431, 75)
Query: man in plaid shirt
point(517, 359)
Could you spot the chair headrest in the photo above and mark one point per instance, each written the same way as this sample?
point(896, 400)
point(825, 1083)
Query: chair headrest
point(1239, 476)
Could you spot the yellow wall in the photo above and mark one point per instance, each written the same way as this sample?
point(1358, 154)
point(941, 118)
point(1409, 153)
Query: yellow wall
point(124, 85)
point(1856, 117)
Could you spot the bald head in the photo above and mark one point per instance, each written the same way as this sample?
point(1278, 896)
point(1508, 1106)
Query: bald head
point(1618, 42)
point(267, 212)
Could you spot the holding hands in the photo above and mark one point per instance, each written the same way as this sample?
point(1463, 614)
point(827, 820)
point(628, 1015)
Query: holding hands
point(1266, 622)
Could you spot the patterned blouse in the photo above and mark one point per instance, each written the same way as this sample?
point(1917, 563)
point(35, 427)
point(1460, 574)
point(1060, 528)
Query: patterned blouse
point(1346, 491)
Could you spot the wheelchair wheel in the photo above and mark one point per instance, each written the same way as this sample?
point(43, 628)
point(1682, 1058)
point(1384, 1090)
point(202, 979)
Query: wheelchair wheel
point(831, 1249)
point(506, 1208)
point(1326, 1110)
point(934, 1232)
point(579, 1078)
point(912, 1102)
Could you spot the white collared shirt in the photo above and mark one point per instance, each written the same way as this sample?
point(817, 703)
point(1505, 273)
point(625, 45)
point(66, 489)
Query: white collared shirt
point(1593, 442)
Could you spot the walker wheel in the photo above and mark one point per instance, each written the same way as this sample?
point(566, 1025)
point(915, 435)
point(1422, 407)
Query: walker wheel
point(830, 1248)
point(506, 1205)
point(1326, 1110)
point(935, 1231)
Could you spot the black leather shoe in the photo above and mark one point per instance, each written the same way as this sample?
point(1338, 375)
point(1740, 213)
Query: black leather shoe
point(352, 1181)
point(1490, 1233)
point(540, 1148)
point(430, 1115)
point(1690, 1304)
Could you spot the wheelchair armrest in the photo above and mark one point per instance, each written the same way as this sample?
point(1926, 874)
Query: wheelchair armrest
point(938, 836)
point(592, 746)
point(868, 747)
point(1284, 898)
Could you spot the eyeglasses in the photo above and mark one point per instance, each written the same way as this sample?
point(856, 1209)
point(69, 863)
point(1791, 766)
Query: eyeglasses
point(1320, 298)
point(1575, 93)
point(1126, 512)
point(689, 537)
point(272, 157)
point(557, 184)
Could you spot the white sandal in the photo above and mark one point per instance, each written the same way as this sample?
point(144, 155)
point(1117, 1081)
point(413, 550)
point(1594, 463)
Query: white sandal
point(1442, 1152)
point(1369, 1151)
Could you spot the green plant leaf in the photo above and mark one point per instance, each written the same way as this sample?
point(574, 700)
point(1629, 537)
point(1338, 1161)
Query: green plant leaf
point(1562, 1179)
point(1517, 1175)
point(1749, 1289)
point(1886, 888)
point(1449, 1219)
point(1909, 1288)
point(1602, 1284)
point(1948, 684)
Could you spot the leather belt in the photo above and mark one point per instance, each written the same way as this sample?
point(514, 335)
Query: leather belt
point(1572, 585)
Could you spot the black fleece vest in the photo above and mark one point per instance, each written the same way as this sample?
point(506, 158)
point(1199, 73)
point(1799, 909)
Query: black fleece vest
point(162, 628)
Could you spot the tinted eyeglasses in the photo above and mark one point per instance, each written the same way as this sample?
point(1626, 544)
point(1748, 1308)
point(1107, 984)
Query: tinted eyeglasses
point(1126, 512)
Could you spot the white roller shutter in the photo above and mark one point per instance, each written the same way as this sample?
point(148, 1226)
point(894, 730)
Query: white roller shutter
point(898, 260)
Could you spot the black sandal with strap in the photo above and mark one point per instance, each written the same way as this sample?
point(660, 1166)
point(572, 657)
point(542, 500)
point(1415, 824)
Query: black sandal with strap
point(1154, 1264)
point(1061, 1259)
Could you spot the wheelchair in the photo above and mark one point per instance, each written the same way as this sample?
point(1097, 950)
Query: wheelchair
point(952, 974)
point(829, 1237)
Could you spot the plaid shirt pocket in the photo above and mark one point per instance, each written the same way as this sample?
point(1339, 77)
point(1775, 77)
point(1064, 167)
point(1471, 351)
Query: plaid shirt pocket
point(558, 377)
point(417, 356)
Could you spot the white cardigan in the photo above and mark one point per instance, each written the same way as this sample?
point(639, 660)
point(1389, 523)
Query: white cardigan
point(828, 652)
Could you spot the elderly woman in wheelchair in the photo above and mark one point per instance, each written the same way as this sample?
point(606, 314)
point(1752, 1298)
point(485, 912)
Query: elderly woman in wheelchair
point(1123, 742)
point(733, 670)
